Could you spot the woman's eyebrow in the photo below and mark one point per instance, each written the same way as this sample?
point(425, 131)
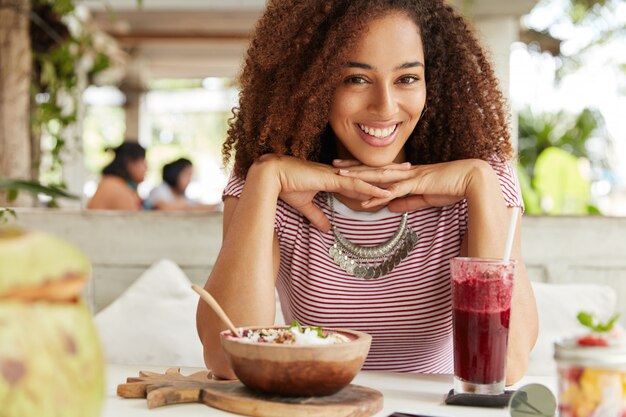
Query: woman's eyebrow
point(411, 64)
point(359, 65)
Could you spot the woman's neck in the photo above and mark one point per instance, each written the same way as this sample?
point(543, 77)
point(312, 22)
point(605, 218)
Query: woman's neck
point(354, 204)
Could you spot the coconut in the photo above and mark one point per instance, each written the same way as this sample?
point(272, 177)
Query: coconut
point(50, 358)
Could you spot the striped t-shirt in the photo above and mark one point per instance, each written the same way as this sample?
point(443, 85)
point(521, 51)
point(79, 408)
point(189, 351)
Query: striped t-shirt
point(408, 311)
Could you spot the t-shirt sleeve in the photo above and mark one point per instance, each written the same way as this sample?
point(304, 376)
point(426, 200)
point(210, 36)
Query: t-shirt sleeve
point(158, 195)
point(509, 182)
point(234, 188)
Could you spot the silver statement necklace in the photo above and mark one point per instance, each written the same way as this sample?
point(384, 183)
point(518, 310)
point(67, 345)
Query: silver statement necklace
point(371, 262)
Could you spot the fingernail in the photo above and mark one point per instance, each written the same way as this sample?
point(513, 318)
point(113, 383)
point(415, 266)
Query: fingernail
point(387, 192)
point(337, 161)
point(407, 164)
point(343, 172)
point(365, 203)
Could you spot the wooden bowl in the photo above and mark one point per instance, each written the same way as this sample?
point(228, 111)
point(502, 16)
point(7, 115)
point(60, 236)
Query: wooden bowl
point(296, 371)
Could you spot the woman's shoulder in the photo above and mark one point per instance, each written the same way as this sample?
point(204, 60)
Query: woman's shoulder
point(113, 193)
point(111, 186)
point(112, 181)
point(507, 176)
point(161, 192)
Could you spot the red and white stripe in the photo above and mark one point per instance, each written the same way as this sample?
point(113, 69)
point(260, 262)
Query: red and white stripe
point(407, 312)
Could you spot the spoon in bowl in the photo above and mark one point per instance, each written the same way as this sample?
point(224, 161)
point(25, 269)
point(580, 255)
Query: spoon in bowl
point(208, 298)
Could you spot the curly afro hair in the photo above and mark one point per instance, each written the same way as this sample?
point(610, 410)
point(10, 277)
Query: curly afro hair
point(295, 61)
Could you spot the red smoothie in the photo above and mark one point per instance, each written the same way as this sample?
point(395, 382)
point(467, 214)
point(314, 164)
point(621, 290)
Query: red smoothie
point(483, 339)
point(481, 300)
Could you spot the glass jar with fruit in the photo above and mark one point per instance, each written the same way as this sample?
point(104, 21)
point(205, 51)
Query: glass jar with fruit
point(592, 372)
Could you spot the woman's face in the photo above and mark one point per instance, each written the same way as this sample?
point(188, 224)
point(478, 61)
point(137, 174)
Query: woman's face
point(137, 169)
point(184, 178)
point(382, 93)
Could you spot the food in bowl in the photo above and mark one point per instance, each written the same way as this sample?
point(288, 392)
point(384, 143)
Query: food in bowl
point(296, 369)
point(293, 335)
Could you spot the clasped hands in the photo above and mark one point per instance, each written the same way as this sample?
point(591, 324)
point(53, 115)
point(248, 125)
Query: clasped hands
point(411, 187)
point(400, 187)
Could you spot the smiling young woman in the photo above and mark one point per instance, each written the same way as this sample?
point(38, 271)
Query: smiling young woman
point(370, 148)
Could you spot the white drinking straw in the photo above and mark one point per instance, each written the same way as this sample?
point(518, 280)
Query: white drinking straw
point(511, 234)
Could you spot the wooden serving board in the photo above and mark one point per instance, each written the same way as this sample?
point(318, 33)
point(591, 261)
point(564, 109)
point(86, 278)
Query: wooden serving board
point(175, 388)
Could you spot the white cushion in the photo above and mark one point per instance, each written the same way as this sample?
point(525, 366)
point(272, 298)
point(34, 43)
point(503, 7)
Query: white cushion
point(557, 306)
point(153, 322)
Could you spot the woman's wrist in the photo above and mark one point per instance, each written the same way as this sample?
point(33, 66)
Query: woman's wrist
point(265, 173)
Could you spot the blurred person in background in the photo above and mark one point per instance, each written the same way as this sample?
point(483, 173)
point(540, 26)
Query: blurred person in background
point(170, 195)
point(118, 187)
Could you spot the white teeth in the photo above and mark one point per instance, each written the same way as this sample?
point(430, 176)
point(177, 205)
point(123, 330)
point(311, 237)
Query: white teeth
point(379, 133)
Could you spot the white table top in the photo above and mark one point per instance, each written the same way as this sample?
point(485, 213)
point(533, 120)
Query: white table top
point(409, 393)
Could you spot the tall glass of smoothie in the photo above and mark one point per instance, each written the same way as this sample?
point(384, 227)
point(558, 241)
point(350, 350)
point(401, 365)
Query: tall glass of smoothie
point(481, 303)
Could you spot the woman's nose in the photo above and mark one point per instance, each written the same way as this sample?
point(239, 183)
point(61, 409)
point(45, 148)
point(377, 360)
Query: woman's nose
point(383, 102)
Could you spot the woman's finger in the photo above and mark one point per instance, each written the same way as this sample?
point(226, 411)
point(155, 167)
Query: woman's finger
point(356, 188)
point(345, 163)
point(353, 165)
point(409, 203)
point(417, 202)
point(380, 176)
point(396, 190)
point(315, 216)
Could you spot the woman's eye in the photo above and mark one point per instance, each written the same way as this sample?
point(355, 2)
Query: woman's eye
point(355, 79)
point(408, 79)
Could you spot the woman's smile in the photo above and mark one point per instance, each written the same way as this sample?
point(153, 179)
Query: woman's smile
point(378, 135)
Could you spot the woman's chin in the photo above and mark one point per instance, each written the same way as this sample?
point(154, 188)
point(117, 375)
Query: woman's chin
point(375, 161)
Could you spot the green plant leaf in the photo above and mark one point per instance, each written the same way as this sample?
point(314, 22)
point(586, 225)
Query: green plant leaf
point(63, 7)
point(553, 185)
point(585, 319)
point(558, 180)
point(608, 325)
point(34, 187)
point(12, 194)
point(296, 325)
point(5, 214)
point(101, 62)
point(320, 331)
point(588, 320)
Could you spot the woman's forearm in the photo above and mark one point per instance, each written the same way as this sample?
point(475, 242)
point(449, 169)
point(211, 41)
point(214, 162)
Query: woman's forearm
point(488, 225)
point(523, 326)
point(242, 280)
point(488, 215)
